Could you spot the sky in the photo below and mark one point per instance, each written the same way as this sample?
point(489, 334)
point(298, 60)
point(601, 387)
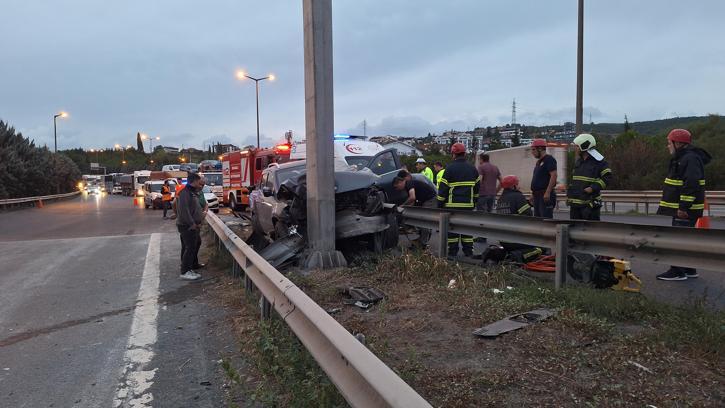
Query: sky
point(405, 67)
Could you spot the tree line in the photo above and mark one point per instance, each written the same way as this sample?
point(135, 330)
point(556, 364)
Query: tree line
point(27, 170)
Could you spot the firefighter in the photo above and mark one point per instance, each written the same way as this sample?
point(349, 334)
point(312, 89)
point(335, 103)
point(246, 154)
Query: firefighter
point(591, 175)
point(513, 202)
point(423, 168)
point(683, 193)
point(458, 190)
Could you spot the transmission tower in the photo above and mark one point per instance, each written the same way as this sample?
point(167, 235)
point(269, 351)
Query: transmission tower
point(513, 113)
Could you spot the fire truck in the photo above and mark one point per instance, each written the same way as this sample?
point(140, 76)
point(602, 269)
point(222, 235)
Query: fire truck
point(242, 169)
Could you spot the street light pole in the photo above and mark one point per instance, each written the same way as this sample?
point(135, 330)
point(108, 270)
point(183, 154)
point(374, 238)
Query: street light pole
point(55, 129)
point(580, 68)
point(242, 75)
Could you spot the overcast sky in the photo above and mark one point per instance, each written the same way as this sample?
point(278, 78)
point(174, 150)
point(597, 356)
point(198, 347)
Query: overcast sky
point(408, 67)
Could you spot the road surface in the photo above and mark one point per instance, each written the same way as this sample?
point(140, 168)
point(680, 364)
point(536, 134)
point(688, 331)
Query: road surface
point(93, 313)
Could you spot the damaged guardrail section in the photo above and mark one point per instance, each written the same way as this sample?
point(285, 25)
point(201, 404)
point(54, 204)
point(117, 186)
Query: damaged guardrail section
point(362, 379)
point(35, 200)
point(696, 248)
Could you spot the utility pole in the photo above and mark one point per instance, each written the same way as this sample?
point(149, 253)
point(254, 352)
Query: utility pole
point(365, 127)
point(580, 69)
point(319, 126)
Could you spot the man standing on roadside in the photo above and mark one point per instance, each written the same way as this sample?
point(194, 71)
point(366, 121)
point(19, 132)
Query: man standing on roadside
point(683, 194)
point(166, 197)
point(438, 166)
point(591, 175)
point(188, 222)
point(489, 176)
point(543, 181)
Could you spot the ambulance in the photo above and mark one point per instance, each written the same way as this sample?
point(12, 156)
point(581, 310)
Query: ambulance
point(354, 150)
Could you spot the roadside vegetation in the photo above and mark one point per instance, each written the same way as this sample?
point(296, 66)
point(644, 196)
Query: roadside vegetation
point(602, 348)
point(27, 170)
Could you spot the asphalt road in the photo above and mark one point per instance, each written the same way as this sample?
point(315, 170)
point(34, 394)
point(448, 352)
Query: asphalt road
point(93, 313)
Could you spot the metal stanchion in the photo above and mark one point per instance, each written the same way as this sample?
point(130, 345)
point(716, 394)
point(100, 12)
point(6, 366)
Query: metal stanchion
point(443, 220)
point(562, 255)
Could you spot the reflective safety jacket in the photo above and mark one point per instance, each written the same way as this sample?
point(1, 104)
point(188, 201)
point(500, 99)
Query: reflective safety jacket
point(438, 177)
point(458, 187)
point(428, 173)
point(588, 173)
point(684, 187)
point(165, 193)
point(513, 202)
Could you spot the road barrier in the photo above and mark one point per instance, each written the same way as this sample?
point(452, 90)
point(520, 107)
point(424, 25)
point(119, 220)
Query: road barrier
point(696, 248)
point(36, 201)
point(362, 379)
point(646, 197)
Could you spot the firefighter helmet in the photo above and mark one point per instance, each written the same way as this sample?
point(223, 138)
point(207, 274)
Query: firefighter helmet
point(538, 143)
point(585, 141)
point(680, 135)
point(509, 181)
point(458, 148)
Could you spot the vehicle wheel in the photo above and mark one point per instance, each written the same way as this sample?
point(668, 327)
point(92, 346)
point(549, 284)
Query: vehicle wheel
point(216, 211)
point(146, 206)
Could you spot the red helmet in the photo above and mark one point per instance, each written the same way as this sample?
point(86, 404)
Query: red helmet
point(538, 143)
point(509, 181)
point(458, 148)
point(680, 135)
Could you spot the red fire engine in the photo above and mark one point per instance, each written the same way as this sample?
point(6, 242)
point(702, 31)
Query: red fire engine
point(241, 170)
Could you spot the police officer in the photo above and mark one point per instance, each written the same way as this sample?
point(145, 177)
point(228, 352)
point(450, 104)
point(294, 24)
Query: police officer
point(458, 190)
point(683, 194)
point(591, 175)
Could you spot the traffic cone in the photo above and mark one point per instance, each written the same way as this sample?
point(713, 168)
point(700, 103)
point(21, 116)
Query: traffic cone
point(704, 221)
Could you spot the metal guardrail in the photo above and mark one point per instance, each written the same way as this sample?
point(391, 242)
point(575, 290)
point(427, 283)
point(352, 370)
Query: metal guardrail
point(697, 248)
point(38, 199)
point(362, 379)
point(646, 197)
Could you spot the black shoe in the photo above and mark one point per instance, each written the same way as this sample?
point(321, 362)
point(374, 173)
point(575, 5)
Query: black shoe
point(692, 274)
point(672, 275)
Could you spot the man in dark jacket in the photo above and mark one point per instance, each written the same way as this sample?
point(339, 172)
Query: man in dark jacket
point(513, 202)
point(591, 175)
point(683, 194)
point(188, 221)
point(458, 190)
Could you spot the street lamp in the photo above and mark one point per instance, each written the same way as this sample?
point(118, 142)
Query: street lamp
point(241, 75)
point(123, 151)
point(144, 136)
point(60, 114)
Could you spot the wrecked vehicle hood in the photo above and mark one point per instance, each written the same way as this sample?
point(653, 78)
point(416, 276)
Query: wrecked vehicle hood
point(346, 179)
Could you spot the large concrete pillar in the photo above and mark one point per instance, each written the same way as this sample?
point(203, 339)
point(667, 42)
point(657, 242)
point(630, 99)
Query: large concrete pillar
point(319, 124)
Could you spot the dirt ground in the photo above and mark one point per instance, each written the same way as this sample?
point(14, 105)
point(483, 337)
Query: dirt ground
point(424, 331)
point(602, 348)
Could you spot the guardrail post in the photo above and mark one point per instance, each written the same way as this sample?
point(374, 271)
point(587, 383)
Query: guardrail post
point(614, 207)
point(266, 308)
point(646, 208)
point(443, 220)
point(562, 255)
point(248, 285)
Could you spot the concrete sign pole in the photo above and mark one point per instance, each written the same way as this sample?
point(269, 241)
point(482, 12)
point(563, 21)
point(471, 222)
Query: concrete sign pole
point(319, 125)
point(580, 68)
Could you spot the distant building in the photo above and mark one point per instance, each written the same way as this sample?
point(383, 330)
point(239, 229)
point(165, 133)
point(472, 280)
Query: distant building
point(170, 149)
point(404, 149)
point(224, 148)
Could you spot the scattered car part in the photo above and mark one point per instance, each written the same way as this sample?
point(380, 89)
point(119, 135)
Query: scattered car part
point(362, 296)
point(513, 322)
point(283, 250)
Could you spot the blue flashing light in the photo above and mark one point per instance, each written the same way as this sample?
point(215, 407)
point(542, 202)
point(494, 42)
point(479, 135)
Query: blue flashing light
point(342, 136)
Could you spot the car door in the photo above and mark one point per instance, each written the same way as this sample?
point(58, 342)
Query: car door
point(264, 205)
point(386, 164)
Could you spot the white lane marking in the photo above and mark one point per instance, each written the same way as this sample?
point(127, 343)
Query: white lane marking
point(137, 378)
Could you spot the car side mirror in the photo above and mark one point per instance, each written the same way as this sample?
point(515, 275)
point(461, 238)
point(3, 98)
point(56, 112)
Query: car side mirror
point(266, 191)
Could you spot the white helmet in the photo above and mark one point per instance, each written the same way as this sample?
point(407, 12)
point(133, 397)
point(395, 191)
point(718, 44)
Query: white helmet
point(586, 143)
point(420, 160)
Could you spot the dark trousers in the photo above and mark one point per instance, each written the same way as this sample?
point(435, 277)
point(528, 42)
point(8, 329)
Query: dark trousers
point(688, 222)
point(190, 244)
point(166, 206)
point(485, 203)
point(466, 242)
point(541, 207)
point(585, 213)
